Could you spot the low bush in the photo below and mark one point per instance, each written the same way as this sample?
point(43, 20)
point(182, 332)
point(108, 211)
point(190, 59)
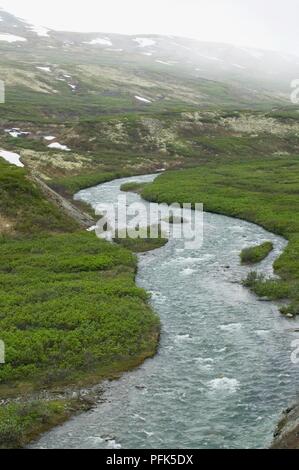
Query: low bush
point(256, 254)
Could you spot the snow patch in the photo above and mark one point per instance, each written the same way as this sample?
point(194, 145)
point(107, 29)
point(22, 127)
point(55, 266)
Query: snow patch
point(39, 30)
point(145, 42)
point(11, 157)
point(16, 132)
point(143, 100)
point(44, 69)
point(49, 137)
point(58, 146)
point(11, 38)
point(99, 41)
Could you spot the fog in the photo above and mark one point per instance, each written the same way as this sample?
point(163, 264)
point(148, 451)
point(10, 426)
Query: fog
point(267, 24)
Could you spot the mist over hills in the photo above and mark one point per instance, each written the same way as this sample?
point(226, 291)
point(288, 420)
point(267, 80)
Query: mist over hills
point(104, 72)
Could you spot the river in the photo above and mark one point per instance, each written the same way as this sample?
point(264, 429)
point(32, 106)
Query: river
point(223, 373)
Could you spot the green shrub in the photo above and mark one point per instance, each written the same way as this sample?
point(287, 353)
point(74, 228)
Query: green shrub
point(255, 254)
point(19, 422)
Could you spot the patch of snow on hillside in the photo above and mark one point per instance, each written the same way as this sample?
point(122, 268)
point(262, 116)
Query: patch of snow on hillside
point(39, 30)
point(44, 69)
point(163, 62)
point(49, 137)
point(16, 132)
point(58, 146)
point(11, 157)
point(100, 41)
point(144, 100)
point(145, 42)
point(11, 38)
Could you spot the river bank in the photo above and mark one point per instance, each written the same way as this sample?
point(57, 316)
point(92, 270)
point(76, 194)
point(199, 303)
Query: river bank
point(286, 435)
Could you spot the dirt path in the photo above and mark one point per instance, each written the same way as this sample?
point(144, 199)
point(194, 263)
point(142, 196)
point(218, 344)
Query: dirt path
point(85, 220)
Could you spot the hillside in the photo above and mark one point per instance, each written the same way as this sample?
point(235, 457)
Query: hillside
point(64, 75)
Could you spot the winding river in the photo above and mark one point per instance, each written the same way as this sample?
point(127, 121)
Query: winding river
point(223, 373)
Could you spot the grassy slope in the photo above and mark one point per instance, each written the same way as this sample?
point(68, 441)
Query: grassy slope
point(264, 192)
point(70, 310)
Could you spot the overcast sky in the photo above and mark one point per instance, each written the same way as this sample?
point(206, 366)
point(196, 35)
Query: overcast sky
point(269, 24)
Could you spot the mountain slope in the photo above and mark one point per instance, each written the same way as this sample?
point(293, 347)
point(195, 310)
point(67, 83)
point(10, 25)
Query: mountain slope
point(96, 73)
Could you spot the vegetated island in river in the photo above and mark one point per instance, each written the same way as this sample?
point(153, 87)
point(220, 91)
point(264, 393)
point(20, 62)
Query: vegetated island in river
point(256, 254)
